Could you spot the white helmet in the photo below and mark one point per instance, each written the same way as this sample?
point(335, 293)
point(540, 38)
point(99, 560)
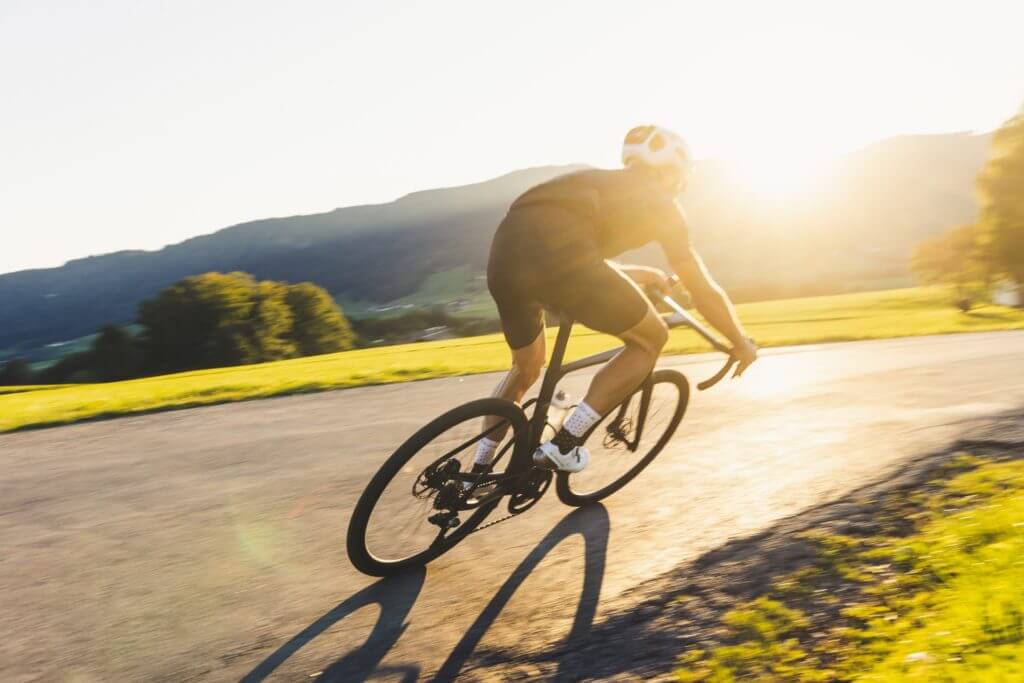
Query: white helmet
point(655, 146)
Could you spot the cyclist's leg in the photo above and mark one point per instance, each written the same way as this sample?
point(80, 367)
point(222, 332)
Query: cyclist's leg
point(602, 298)
point(606, 300)
point(527, 365)
point(631, 366)
point(522, 322)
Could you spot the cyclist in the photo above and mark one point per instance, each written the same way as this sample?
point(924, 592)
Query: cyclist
point(551, 251)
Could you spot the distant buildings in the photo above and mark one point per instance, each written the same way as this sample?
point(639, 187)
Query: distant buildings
point(435, 333)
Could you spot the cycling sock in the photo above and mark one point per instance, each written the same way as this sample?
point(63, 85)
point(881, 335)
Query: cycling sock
point(485, 449)
point(581, 419)
point(576, 425)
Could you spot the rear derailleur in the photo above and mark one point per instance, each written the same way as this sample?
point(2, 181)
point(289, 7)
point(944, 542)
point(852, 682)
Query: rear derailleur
point(449, 493)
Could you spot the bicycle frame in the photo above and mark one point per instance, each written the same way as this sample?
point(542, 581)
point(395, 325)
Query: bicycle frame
point(521, 459)
point(556, 371)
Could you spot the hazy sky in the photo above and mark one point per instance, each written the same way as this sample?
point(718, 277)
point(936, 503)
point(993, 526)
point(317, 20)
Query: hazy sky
point(136, 123)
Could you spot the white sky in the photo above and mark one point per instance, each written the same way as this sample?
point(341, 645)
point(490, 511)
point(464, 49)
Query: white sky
point(137, 123)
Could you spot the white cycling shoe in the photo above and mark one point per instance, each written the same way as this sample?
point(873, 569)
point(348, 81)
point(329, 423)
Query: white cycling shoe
point(547, 455)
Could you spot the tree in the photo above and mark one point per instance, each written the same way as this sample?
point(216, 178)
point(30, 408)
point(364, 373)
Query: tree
point(1001, 189)
point(16, 371)
point(115, 354)
point(218, 319)
point(318, 326)
point(204, 321)
point(270, 324)
point(952, 258)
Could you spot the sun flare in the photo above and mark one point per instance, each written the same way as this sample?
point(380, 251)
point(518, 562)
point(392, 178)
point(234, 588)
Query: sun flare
point(777, 175)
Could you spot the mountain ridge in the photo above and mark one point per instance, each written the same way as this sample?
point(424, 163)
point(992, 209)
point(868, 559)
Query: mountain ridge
point(882, 199)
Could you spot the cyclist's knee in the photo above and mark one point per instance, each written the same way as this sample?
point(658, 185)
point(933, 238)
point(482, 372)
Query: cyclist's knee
point(528, 363)
point(650, 335)
point(659, 335)
point(526, 373)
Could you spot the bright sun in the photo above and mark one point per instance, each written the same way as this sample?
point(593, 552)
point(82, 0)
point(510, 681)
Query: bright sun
point(777, 175)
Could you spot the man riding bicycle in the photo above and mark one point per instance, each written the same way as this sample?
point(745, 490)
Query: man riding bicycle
point(550, 252)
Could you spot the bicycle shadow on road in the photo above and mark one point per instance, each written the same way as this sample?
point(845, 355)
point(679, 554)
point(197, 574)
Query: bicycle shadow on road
point(395, 596)
point(592, 524)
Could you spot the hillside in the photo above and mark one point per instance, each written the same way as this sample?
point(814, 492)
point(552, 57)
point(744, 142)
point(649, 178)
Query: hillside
point(375, 252)
point(860, 228)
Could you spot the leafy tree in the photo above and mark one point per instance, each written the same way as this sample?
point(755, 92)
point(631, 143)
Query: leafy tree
point(115, 354)
point(1001, 187)
point(269, 328)
point(318, 324)
point(219, 319)
point(16, 371)
point(953, 258)
point(203, 321)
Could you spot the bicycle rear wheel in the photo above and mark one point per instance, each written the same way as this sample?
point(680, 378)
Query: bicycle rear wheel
point(390, 529)
point(621, 446)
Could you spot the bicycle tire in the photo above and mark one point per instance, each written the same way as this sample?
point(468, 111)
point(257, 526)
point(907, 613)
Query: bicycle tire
point(577, 498)
point(359, 553)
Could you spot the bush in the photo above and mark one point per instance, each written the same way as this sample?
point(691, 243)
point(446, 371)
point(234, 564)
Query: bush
point(115, 354)
point(16, 372)
point(76, 367)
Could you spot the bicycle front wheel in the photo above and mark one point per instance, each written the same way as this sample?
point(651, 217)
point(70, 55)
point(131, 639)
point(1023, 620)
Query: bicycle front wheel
point(628, 439)
point(391, 529)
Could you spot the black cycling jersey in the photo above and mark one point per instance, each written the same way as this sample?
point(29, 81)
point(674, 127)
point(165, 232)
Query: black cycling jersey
point(550, 250)
point(624, 208)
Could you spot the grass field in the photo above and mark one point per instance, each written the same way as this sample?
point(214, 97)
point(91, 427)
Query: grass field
point(874, 315)
point(20, 388)
point(943, 603)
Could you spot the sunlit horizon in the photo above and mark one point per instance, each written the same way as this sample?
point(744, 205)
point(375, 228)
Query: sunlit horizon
point(138, 125)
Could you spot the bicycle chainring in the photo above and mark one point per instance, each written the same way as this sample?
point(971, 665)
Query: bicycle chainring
point(531, 489)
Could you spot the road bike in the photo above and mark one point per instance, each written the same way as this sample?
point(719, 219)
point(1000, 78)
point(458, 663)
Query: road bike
point(425, 499)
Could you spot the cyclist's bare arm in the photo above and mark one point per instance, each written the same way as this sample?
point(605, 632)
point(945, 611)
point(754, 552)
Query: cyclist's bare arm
point(713, 303)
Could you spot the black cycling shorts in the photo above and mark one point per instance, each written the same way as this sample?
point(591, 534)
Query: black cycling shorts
point(544, 257)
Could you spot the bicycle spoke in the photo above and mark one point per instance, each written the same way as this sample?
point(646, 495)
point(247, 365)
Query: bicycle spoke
point(400, 525)
point(615, 451)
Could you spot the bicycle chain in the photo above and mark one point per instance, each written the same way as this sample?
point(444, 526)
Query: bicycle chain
point(491, 523)
point(497, 521)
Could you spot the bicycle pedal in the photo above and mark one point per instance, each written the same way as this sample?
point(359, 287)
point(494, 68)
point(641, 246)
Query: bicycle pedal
point(445, 520)
point(542, 462)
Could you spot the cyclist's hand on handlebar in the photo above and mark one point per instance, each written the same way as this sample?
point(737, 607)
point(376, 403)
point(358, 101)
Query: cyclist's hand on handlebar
point(745, 354)
point(651, 280)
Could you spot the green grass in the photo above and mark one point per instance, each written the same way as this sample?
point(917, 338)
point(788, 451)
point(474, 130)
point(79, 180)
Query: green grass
point(945, 603)
point(873, 315)
point(19, 388)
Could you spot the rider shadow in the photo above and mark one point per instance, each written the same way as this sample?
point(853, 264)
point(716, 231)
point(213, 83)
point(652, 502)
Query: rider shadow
point(592, 523)
point(395, 597)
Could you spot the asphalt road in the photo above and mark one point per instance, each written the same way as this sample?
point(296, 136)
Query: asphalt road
point(208, 544)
